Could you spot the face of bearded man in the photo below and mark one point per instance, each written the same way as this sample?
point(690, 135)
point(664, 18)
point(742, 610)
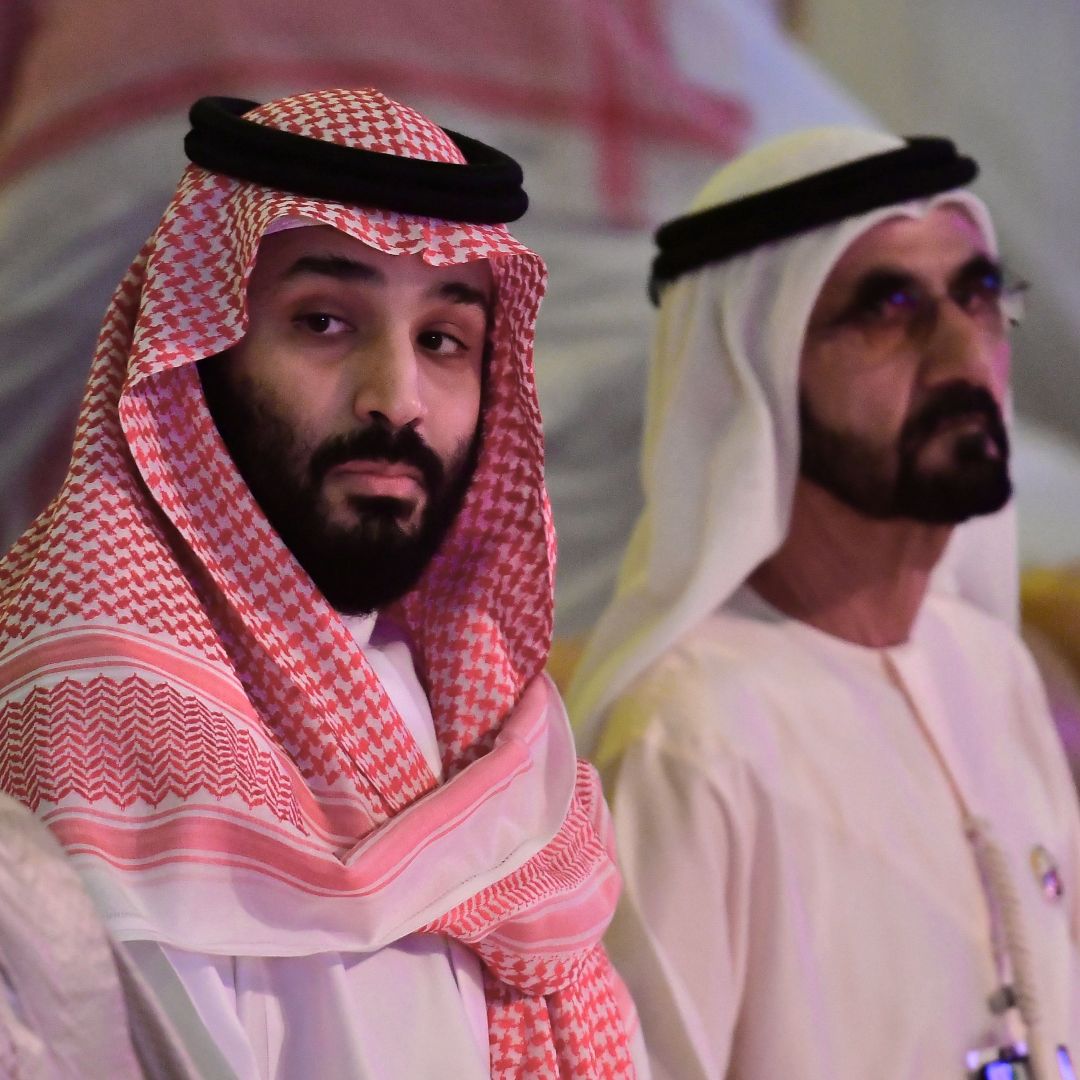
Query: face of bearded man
point(359, 567)
point(891, 482)
point(351, 406)
point(903, 373)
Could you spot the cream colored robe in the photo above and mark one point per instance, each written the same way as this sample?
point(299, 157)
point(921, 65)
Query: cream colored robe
point(800, 899)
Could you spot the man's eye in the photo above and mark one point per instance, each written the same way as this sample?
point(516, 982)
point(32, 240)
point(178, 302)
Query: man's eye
point(982, 291)
point(883, 307)
point(990, 294)
point(319, 322)
point(438, 341)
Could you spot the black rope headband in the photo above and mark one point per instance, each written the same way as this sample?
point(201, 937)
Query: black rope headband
point(485, 191)
point(925, 166)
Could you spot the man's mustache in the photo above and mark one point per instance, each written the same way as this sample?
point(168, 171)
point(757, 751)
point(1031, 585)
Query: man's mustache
point(378, 442)
point(958, 400)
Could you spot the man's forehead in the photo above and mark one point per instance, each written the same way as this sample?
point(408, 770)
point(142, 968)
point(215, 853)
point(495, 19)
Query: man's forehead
point(288, 253)
point(933, 244)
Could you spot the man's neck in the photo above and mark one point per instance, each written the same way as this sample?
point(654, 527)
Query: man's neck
point(851, 576)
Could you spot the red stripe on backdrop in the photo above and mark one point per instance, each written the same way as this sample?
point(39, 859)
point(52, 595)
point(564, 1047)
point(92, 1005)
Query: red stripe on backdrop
point(618, 178)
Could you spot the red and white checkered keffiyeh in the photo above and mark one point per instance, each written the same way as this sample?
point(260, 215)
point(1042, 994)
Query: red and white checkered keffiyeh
point(199, 728)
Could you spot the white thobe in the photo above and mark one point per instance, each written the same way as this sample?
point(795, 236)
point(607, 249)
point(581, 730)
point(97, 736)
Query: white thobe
point(800, 897)
point(412, 1010)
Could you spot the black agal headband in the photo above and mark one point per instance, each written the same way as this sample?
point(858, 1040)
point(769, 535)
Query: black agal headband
point(925, 166)
point(485, 191)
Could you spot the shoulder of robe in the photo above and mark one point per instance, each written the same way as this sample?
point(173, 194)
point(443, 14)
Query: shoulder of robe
point(719, 677)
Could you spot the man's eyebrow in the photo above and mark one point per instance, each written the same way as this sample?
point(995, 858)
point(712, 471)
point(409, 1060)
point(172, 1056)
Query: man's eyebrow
point(977, 266)
point(879, 282)
point(853, 299)
point(334, 266)
point(457, 292)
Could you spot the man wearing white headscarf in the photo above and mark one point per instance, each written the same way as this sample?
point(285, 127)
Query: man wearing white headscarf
point(848, 834)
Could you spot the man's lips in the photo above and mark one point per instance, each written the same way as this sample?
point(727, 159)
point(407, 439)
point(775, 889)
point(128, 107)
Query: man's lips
point(395, 479)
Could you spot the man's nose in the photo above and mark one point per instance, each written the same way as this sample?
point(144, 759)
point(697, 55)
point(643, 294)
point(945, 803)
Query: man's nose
point(960, 348)
point(387, 380)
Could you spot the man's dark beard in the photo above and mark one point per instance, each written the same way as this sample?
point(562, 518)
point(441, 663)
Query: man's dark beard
point(362, 567)
point(860, 475)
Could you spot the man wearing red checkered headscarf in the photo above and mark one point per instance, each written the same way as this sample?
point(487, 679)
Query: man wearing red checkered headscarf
point(271, 662)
